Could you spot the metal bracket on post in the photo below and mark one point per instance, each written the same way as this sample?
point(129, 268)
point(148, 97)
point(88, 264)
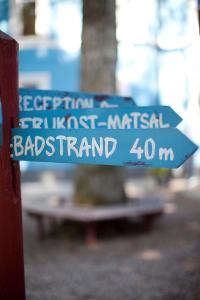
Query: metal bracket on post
point(12, 285)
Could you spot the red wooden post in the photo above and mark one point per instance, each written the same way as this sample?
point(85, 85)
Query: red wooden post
point(12, 285)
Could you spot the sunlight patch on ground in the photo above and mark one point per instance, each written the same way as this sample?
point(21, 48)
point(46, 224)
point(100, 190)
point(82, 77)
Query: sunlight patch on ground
point(139, 187)
point(178, 184)
point(189, 188)
point(181, 184)
point(150, 254)
point(170, 208)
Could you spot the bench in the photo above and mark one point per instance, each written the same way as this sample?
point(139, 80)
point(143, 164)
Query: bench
point(61, 209)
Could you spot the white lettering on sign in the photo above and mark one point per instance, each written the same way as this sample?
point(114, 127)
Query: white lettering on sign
point(72, 122)
point(57, 123)
point(67, 145)
point(136, 149)
point(135, 116)
point(29, 146)
point(51, 149)
point(17, 145)
point(116, 121)
point(136, 120)
point(110, 146)
point(97, 147)
point(150, 151)
point(167, 153)
point(30, 103)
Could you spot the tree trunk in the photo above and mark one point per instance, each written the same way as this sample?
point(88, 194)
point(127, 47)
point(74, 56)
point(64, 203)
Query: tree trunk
point(99, 185)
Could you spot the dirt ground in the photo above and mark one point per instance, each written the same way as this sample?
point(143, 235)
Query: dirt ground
point(163, 264)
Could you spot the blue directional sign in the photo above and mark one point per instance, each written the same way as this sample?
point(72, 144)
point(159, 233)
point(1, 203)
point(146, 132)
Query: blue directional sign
point(110, 118)
point(166, 148)
point(33, 100)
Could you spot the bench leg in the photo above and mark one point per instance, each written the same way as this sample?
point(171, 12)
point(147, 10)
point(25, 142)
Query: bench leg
point(40, 230)
point(91, 235)
point(149, 220)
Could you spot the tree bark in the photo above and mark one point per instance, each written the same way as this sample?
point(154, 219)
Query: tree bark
point(99, 185)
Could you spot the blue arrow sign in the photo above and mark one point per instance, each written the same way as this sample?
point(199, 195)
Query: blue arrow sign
point(166, 148)
point(33, 100)
point(110, 118)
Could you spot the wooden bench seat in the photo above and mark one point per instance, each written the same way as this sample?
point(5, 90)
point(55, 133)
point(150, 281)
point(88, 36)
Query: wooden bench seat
point(57, 208)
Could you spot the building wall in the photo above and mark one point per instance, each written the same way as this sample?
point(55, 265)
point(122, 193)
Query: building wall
point(49, 68)
point(51, 58)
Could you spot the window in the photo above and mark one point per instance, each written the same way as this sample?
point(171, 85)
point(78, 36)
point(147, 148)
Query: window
point(29, 18)
point(38, 80)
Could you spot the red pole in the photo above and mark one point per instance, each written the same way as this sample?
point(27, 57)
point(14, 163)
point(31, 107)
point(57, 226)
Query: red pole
point(12, 285)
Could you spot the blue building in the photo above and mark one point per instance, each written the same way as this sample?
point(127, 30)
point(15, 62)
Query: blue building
point(152, 35)
point(49, 44)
